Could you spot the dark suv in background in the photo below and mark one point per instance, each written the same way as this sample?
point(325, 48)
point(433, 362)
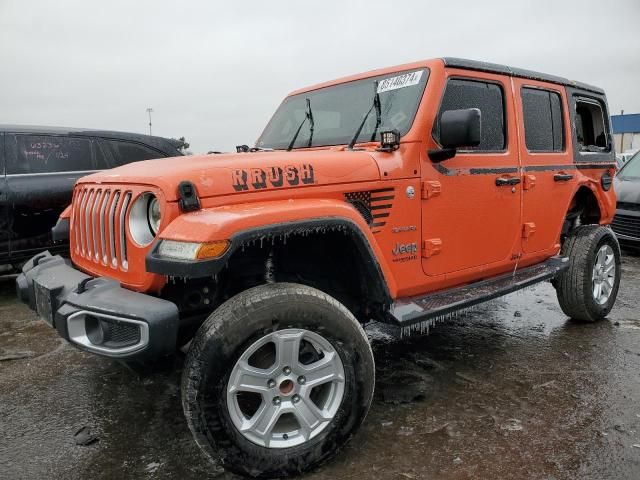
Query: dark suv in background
point(40, 165)
point(626, 223)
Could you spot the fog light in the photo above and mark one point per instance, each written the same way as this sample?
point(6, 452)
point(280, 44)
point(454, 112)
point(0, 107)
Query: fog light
point(107, 334)
point(95, 332)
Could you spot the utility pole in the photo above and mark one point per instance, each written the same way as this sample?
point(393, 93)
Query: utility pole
point(149, 110)
point(622, 136)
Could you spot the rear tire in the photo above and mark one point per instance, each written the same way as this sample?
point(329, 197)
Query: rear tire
point(234, 380)
point(587, 290)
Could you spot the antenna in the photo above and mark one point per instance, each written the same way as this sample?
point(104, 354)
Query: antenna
point(149, 110)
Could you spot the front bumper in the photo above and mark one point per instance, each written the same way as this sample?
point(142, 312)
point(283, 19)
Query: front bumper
point(96, 314)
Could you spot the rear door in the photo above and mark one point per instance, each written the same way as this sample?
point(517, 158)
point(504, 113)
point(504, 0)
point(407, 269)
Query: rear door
point(471, 202)
point(4, 207)
point(41, 171)
point(549, 175)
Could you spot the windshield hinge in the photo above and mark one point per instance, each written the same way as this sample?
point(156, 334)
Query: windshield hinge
point(431, 188)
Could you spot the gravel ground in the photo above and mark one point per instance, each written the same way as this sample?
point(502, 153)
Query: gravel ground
point(513, 390)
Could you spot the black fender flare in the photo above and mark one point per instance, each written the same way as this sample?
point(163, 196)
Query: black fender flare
point(207, 268)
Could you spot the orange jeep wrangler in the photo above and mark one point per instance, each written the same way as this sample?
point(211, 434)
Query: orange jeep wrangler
point(402, 195)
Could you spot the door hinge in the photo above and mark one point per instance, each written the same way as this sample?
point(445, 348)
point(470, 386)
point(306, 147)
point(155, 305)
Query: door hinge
point(528, 229)
point(431, 247)
point(529, 182)
point(431, 188)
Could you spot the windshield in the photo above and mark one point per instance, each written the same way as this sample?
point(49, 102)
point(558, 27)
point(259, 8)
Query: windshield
point(338, 111)
point(631, 169)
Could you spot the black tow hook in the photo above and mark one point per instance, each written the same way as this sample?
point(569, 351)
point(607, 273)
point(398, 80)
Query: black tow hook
point(82, 286)
point(38, 258)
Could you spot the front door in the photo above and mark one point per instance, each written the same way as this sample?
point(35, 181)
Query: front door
point(471, 202)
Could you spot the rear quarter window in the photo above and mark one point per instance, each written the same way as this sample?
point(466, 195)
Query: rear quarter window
point(591, 126)
point(48, 154)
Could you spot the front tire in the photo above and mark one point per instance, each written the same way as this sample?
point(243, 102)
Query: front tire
point(277, 379)
point(587, 290)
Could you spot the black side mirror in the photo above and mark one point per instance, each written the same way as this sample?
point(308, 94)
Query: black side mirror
point(458, 128)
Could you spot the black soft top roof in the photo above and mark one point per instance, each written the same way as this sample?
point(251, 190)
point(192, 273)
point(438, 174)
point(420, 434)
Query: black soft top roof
point(167, 145)
point(516, 72)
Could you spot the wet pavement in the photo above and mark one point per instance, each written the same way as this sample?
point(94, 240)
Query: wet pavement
point(513, 390)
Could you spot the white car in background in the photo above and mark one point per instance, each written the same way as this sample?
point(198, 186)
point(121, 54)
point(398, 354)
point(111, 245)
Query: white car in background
point(622, 158)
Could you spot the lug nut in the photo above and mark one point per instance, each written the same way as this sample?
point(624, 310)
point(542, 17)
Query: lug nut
point(285, 436)
point(302, 380)
point(276, 400)
point(286, 370)
point(295, 399)
point(271, 383)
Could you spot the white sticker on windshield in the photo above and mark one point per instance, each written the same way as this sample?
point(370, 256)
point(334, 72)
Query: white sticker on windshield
point(401, 81)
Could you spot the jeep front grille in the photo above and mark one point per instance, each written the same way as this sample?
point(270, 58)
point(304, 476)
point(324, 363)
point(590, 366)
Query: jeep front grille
point(99, 216)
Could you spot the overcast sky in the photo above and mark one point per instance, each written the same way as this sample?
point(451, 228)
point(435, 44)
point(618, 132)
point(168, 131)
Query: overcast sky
point(215, 71)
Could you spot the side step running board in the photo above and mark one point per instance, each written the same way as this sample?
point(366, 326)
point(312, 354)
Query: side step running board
point(417, 314)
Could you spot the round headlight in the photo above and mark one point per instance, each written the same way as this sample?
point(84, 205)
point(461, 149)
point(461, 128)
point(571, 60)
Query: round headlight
point(144, 219)
point(153, 215)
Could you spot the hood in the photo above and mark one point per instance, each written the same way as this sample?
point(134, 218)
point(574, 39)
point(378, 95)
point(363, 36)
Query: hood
point(236, 173)
point(627, 190)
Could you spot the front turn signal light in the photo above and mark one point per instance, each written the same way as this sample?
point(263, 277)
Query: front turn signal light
point(192, 250)
point(212, 249)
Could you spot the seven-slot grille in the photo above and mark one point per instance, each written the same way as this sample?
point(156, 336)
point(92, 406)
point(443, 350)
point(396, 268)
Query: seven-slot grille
point(99, 224)
point(626, 225)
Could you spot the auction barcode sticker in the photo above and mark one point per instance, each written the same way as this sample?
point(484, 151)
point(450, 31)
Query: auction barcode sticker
point(401, 81)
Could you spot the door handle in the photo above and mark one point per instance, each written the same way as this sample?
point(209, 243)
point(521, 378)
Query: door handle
point(507, 181)
point(562, 177)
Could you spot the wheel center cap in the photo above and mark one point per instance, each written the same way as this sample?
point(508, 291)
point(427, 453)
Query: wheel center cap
point(286, 387)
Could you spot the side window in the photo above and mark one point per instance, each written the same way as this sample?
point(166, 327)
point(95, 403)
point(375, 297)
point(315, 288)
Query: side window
point(48, 153)
point(101, 157)
point(591, 127)
point(127, 152)
point(542, 113)
point(489, 98)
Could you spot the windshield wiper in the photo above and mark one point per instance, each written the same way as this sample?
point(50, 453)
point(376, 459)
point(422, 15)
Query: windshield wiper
point(375, 104)
point(308, 115)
